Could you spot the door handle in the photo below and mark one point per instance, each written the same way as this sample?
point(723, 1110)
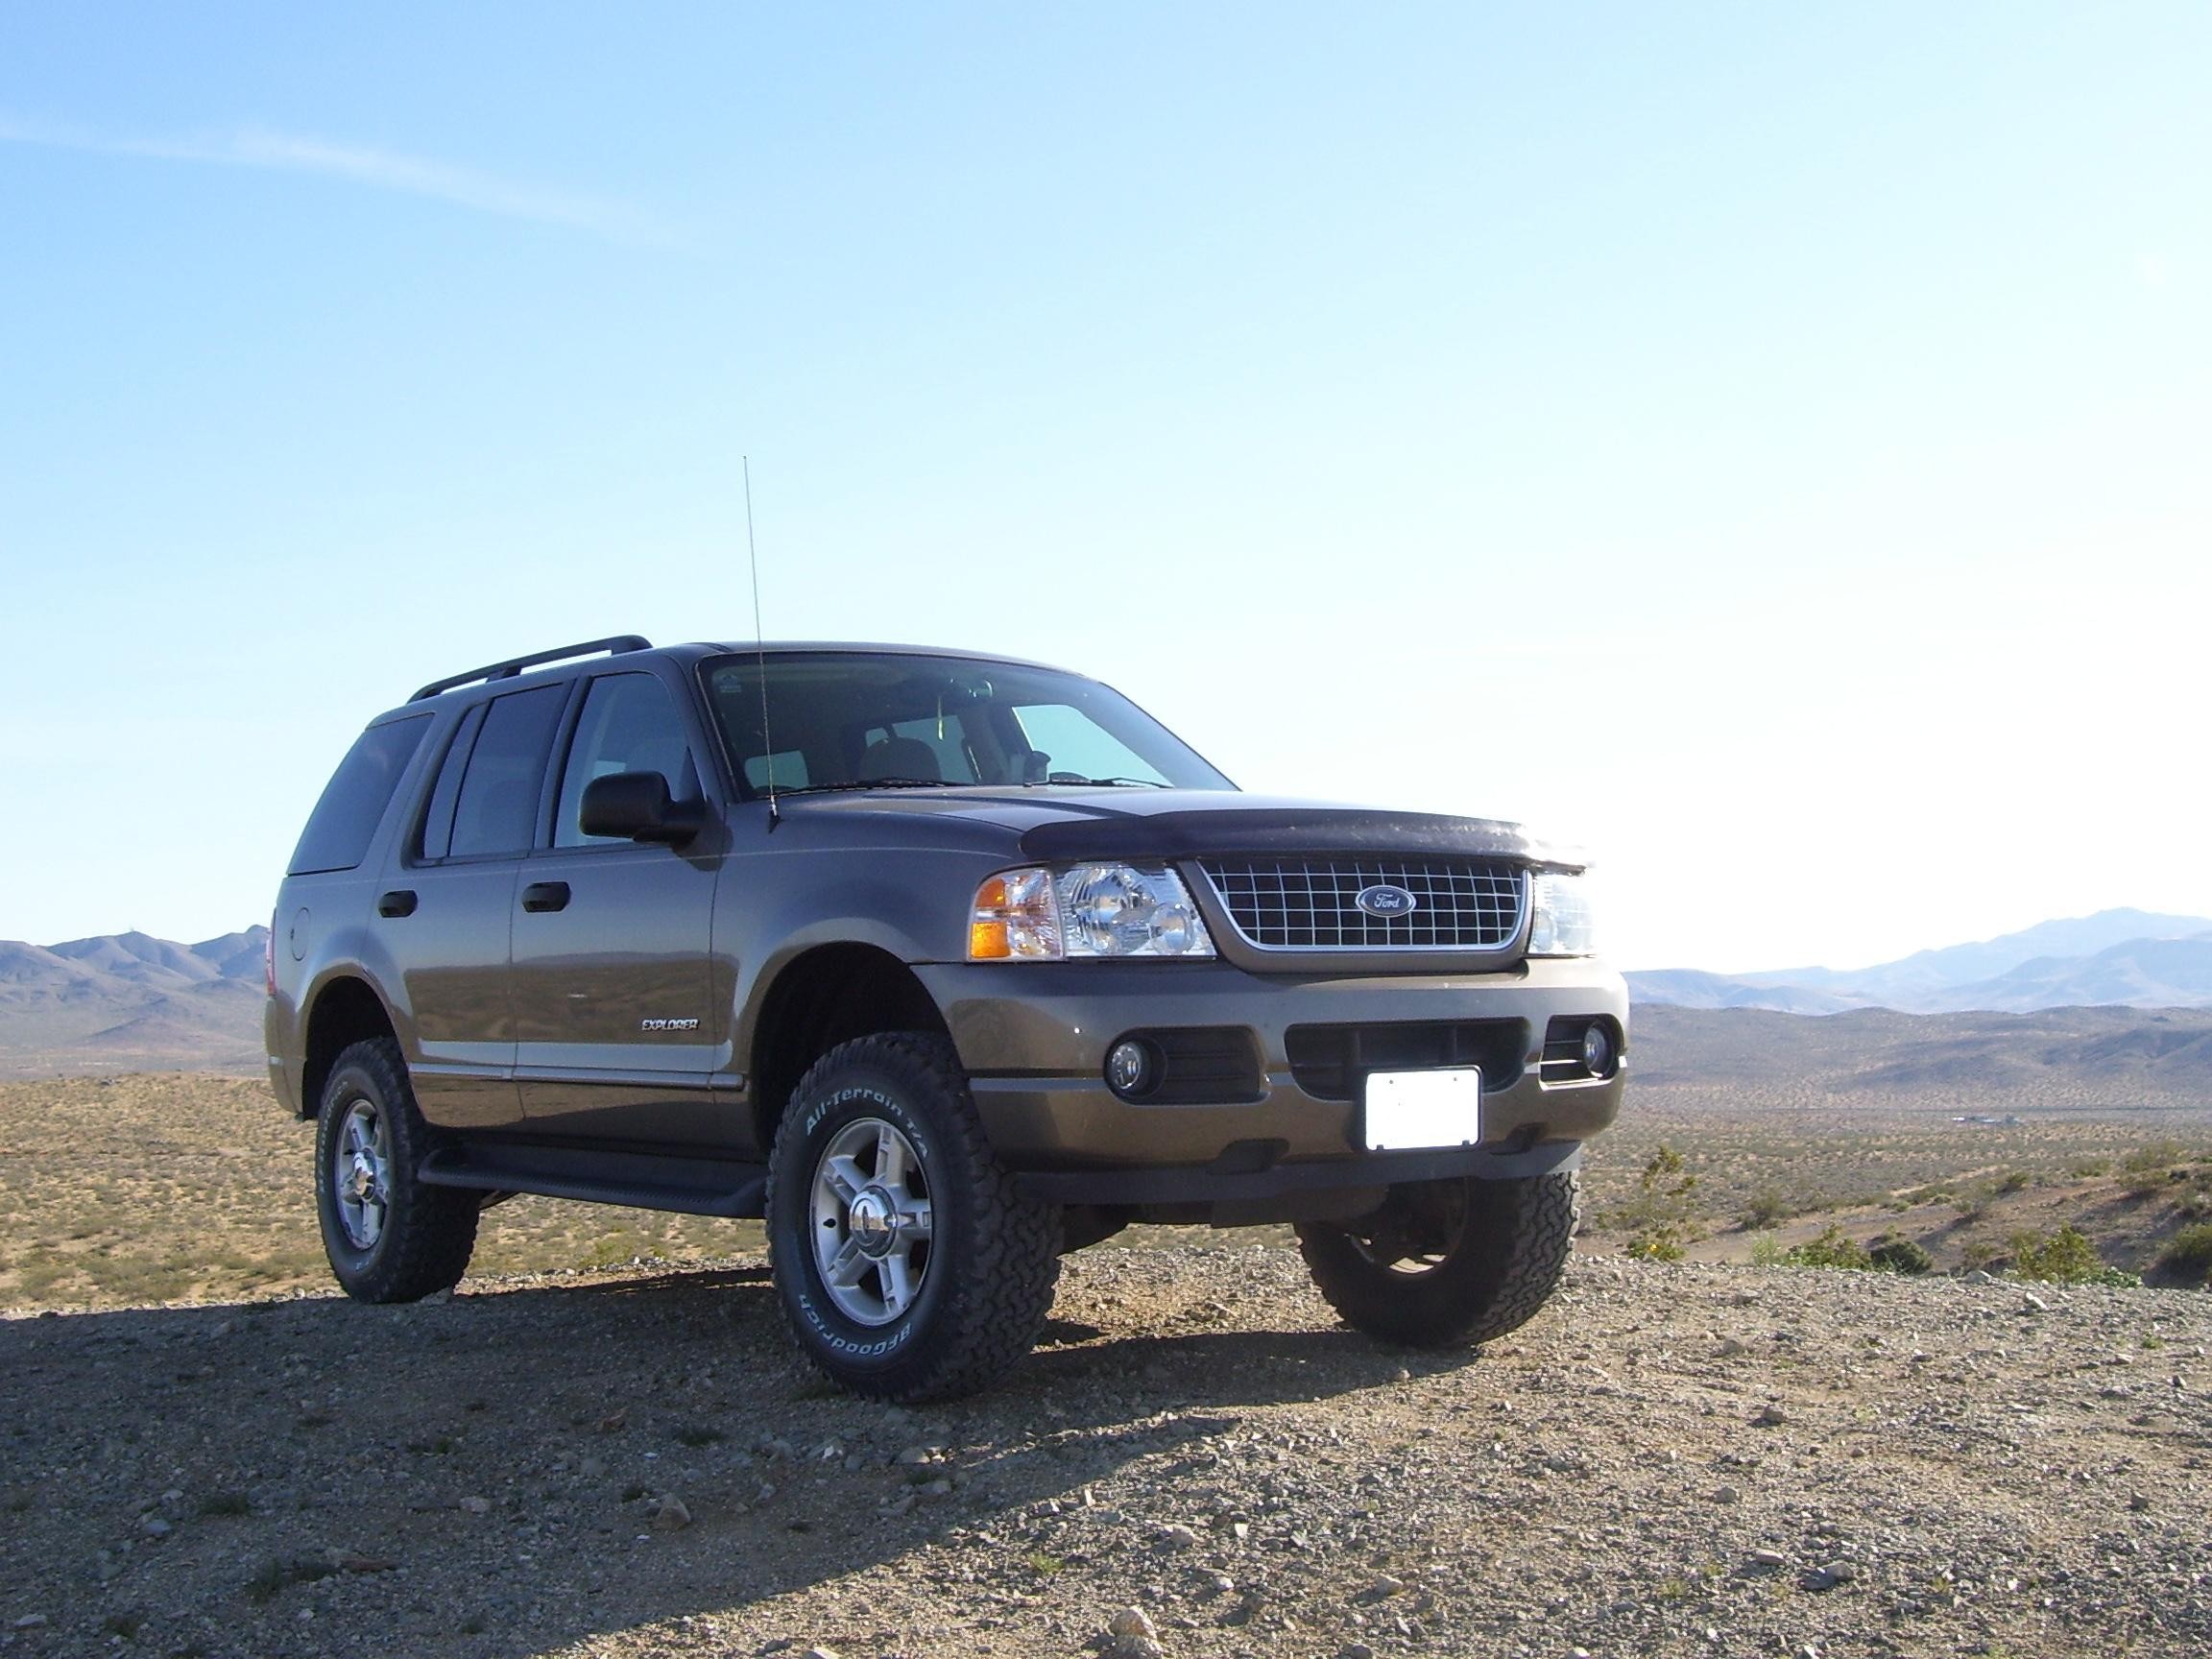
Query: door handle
point(400, 902)
point(545, 896)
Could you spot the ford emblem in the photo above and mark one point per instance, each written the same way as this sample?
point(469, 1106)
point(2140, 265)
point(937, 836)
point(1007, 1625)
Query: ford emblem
point(1385, 901)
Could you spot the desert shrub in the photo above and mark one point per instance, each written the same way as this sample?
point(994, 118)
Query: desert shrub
point(1767, 1207)
point(1657, 1244)
point(2189, 1252)
point(1895, 1253)
point(1834, 1248)
point(2065, 1256)
point(2150, 1169)
point(2015, 1181)
point(614, 1249)
point(1766, 1251)
point(1661, 1200)
point(2084, 1167)
point(2153, 1157)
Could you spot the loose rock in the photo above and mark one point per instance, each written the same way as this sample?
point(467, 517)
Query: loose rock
point(1132, 1621)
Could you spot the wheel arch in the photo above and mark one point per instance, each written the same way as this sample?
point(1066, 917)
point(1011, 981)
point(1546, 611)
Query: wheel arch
point(346, 1010)
point(828, 994)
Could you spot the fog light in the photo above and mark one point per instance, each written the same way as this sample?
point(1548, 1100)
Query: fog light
point(1132, 1069)
point(1596, 1049)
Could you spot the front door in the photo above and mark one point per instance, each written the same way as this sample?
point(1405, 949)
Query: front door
point(617, 1031)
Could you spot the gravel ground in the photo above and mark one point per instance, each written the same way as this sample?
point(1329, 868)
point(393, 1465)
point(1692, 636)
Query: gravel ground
point(1671, 1460)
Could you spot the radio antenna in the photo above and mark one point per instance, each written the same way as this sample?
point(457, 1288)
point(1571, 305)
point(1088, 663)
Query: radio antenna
point(759, 647)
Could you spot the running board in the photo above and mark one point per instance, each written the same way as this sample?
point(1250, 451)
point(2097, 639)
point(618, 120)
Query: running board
point(641, 1181)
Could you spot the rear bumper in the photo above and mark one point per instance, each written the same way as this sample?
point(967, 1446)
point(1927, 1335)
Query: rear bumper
point(1033, 1038)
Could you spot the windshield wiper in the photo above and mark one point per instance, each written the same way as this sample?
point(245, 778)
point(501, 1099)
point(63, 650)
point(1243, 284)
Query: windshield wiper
point(874, 783)
point(1066, 780)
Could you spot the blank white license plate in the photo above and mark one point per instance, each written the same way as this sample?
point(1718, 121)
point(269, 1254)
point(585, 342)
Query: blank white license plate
point(1424, 1108)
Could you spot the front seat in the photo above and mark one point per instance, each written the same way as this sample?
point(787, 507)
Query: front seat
point(899, 757)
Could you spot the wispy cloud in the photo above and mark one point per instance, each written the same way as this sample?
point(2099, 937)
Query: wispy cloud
point(275, 152)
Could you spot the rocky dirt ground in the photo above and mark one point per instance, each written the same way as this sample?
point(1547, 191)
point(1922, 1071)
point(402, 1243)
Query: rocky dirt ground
point(1672, 1459)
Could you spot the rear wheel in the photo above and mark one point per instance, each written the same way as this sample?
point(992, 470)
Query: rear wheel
point(1444, 1263)
point(909, 1265)
point(389, 1239)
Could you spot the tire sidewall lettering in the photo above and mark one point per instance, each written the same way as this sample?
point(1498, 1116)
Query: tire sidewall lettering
point(825, 1327)
point(882, 1105)
point(831, 1337)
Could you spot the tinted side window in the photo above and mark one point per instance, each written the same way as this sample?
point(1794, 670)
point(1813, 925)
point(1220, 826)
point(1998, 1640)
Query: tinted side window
point(629, 724)
point(345, 819)
point(498, 810)
point(437, 838)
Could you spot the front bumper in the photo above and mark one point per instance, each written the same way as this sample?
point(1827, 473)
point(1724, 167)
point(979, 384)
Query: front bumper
point(1033, 1038)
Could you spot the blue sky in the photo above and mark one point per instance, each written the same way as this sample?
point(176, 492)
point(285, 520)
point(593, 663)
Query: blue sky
point(1766, 445)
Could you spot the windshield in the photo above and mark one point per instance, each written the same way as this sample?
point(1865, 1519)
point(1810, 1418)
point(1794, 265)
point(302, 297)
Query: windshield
point(848, 719)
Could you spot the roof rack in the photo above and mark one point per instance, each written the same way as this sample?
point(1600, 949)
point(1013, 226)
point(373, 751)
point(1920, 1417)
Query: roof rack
point(616, 644)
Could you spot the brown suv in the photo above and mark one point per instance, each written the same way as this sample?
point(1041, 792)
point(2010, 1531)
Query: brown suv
point(942, 964)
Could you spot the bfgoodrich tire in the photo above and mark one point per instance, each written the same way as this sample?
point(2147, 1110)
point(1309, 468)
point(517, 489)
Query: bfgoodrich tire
point(1445, 1262)
point(908, 1265)
point(389, 1239)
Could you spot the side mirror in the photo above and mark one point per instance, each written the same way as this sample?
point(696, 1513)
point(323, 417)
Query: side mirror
point(635, 804)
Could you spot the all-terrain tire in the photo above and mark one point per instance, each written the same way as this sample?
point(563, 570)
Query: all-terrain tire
point(1498, 1262)
point(390, 1237)
point(972, 1296)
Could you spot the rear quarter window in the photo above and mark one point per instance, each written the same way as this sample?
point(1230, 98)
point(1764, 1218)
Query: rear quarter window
point(345, 819)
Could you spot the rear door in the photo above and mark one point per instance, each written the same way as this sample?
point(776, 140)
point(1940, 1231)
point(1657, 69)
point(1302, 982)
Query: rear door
point(616, 1025)
point(451, 920)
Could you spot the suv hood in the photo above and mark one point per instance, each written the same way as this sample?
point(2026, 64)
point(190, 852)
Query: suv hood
point(1057, 824)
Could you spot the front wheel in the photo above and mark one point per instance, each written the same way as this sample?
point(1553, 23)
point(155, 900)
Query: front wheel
point(909, 1265)
point(1444, 1263)
point(390, 1237)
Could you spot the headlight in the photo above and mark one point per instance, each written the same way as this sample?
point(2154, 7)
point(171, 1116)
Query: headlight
point(1560, 923)
point(1090, 910)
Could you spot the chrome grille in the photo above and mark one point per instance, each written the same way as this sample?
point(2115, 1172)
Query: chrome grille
point(1310, 904)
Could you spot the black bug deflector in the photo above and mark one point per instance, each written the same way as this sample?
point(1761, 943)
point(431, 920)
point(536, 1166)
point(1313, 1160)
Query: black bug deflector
point(1141, 826)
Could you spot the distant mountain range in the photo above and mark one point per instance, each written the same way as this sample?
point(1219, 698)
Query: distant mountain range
point(130, 1000)
point(2130, 958)
point(2052, 1059)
